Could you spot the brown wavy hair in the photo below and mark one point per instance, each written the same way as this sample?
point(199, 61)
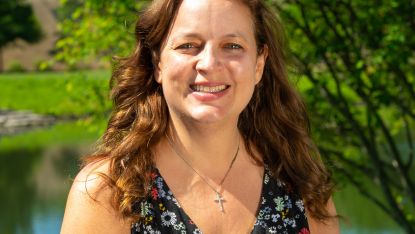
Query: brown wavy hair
point(274, 122)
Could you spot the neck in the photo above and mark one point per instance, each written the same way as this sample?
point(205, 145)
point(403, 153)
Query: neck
point(207, 145)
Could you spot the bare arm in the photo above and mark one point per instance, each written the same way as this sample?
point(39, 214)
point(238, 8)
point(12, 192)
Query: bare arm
point(88, 208)
point(330, 226)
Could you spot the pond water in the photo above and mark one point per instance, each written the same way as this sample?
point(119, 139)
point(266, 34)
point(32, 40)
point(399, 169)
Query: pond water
point(36, 170)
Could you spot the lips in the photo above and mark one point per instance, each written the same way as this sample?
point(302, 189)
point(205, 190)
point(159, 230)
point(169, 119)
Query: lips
point(208, 89)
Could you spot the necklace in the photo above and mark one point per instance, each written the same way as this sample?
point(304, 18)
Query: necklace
point(218, 196)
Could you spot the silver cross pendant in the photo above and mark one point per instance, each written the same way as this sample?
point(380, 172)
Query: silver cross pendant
point(219, 199)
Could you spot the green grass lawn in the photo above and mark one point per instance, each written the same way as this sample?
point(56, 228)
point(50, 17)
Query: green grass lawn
point(83, 95)
point(85, 130)
point(57, 93)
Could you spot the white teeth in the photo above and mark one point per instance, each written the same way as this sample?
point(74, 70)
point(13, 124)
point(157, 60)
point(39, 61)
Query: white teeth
point(208, 89)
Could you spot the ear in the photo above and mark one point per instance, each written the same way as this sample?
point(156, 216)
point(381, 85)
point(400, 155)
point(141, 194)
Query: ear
point(260, 64)
point(157, 74)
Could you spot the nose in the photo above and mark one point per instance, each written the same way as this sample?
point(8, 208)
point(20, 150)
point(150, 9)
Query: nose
point(209, 59)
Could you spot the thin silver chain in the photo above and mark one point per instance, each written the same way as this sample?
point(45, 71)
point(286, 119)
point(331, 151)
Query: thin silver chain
point(191, 167)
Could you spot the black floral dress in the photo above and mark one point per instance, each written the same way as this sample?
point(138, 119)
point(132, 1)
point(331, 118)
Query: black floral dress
point(280, 211)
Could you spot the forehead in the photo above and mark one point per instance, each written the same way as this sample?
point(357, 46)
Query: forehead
point(213, 18)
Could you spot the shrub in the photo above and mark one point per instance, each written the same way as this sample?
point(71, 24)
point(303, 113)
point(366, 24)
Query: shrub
point(15, 66)
point(44, 65)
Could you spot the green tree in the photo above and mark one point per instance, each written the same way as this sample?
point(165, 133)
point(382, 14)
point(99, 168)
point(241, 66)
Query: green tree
point(94, 29)
point(356, 61)
point(17, 21)
point(355, 68)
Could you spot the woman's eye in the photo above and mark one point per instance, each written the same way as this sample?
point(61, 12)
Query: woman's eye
point(186, 46)
point(233, 46)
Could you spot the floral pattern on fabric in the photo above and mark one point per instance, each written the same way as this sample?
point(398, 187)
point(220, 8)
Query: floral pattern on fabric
point(280, 211)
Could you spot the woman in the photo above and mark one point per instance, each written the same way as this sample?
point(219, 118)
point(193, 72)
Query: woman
point(206, 134)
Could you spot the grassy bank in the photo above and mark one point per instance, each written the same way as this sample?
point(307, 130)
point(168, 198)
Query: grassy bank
point(63, 94)
point(85, 130)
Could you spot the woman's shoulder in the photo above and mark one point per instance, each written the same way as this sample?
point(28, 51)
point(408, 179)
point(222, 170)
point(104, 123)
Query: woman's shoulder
point(91, 178)
point(88, 208)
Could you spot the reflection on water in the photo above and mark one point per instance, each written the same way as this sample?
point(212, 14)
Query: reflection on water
point(35, 177)
point(17, 190)
point(35, 180)
point(34, 185)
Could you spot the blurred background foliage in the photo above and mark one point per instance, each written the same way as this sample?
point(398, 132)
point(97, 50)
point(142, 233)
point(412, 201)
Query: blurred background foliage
point(17, 21)
point(356, 71)
point(96, 29)
point(353, 62)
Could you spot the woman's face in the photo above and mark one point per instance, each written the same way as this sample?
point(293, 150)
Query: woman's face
point(209, 64)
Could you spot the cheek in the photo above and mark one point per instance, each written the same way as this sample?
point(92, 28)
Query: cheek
point(243, 71)
point(174, 68)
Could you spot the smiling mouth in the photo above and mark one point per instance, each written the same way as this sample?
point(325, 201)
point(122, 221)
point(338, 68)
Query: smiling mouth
point(209, 89)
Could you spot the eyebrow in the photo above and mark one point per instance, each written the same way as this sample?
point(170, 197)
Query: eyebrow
point(186, 35)
point(235, 35)
point(197, 35)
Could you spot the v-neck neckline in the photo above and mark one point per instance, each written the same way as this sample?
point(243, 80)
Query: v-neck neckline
point(186, 216)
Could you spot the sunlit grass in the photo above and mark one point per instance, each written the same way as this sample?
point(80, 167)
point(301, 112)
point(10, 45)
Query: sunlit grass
point(86, 130)
point(67, 93)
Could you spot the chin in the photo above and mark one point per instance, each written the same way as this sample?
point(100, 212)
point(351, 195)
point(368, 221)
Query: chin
point(208, 115)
